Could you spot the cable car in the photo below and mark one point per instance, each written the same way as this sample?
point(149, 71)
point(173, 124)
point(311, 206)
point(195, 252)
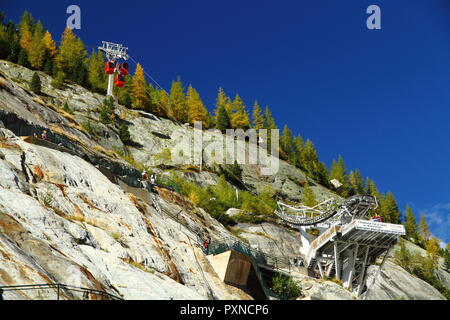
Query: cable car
point(376, 219)
point(123, 68)
point(119, 82)
point(110, 67)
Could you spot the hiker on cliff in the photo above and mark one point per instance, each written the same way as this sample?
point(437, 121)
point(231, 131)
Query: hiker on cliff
point(44, 135)
point(153, 179)
point(144, 176)
point(35, 135)
point(206, 246)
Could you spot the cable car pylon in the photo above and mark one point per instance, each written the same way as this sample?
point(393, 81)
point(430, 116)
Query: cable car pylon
point(114, 53)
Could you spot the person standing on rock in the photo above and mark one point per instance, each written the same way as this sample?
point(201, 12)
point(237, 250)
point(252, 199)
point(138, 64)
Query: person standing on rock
point(44, 135)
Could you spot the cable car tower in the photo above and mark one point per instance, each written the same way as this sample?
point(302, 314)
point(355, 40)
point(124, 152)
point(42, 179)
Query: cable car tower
point(346, 240)
point(114, 53)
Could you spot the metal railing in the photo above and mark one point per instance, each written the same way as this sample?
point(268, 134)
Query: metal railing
point(62, 290)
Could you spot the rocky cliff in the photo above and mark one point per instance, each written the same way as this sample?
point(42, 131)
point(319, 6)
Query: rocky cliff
point(73, 211)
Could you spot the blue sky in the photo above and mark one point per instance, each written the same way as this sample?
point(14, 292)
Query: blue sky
point(380, 98)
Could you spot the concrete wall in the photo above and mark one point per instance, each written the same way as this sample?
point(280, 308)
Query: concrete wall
point(232, 267)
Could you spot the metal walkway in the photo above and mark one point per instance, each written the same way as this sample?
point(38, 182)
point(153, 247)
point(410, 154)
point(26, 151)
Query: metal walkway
point(65, 292)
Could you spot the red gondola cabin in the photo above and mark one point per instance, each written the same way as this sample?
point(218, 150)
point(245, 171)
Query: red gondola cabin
point(123, 69)
point(376, 219)
point(110, 67)
point(119, 81)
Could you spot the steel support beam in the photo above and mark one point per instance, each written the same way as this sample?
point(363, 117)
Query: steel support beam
point(336, 261)
point(363, 272)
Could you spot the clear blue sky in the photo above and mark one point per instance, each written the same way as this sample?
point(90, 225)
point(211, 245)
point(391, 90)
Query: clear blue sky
point(380, 98)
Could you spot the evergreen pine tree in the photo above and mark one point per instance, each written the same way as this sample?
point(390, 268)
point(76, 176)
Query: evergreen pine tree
point(309, 198)
point(424, 230)
point(339, 172)
point(299, 144)
point(124, 133)
point(178, 101)
point(96, 76)
point(23, 58)
point(15, 49)
point(287, 145)
point(447, 258)
point(222, 119)
point(257, 117)
point(389, 209)
point(269, 125)
point(35, 84)
point(5, 47)
point(48, 67)
point(410, 224)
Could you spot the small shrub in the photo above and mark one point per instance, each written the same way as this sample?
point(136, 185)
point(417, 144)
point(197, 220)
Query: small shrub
point(286, 287)
point(47, 198)
point(86, 125)
point(124, 133)
point(35, 84)
point(58, 81)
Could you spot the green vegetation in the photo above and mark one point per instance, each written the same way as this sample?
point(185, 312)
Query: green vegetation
point(29, 44)
point(422, 267)
point(106, 110)
point(217, 199)
point(35, 84)
point(286, 287)
point(87, 126)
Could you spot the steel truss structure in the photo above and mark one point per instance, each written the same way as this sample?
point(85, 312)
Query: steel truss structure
point(347, 244)
point(114, 52)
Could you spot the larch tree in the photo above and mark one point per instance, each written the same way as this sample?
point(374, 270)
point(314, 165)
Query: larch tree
point(269, 125)
point(178, 101)
point(50, 44)
point(257, 117)
point(239, 116)
point(138, 88)
point(287, 145)
point(424, 230)
point(36, 55)
point(308, 198)
point(196, 108)
point(71, 53)
point(26, 26)
point(433, 247)
point(390, 208)
point(97, 78)
point(299, 144)
point(410, 224)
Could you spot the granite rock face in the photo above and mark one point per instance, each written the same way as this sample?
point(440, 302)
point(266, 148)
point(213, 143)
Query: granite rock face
point(73, 211)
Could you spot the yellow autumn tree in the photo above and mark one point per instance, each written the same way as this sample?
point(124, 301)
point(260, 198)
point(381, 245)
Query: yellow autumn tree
point(36, 55)
point(26, 37)
point(71, 52)
point(239, 117)
point(138, 94)
point(195, 106)
point(49, 44)
point(162, 103)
